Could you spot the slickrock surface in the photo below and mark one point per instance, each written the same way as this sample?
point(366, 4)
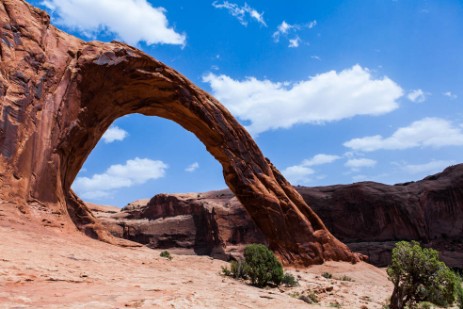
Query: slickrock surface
point(44, 268)
point(59, 95)
point(369, 217)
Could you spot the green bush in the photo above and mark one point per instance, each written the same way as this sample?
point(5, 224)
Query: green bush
point(459, 293)
point(238, 269)
point(289, 280)
point(327, 275)
point(262, 266)
point(166, 254)
point(418, 275)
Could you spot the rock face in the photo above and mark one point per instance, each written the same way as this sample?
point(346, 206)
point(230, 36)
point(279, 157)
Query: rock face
point(60, 94)
point(369, 217)
point(213, 223)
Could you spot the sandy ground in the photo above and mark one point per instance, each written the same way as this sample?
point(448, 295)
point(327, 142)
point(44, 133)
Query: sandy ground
point(43, 268)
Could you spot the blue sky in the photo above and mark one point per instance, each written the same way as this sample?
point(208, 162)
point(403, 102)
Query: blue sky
point(333, 91)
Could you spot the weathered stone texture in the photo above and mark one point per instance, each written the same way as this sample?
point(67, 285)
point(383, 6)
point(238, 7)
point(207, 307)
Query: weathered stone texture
point(60, 94)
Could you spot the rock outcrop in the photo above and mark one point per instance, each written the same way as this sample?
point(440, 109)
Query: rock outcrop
point(213, 223)
point(369, 217)
point(59, 95)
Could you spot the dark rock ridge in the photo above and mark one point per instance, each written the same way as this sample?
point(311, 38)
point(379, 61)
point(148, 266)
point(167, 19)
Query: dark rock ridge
point(369, 217)
point(59, 95)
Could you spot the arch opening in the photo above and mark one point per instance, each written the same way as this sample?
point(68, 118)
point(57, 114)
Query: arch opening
point(139, 157)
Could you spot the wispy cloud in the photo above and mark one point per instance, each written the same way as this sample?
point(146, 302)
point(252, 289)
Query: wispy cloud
point(242, 13)
point(113, 134)
point(357, 164)
point(417, 96)
point(450, 95)
point(300, 173)
point(326, 97)
point(285, 29)
point(132, 21)
point(430, 167)
point(427, 132)
point(192, 167)
point(134, 172)
point(293, 43)
point(320, 159)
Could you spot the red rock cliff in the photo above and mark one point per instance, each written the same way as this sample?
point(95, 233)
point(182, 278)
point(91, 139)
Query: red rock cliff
point(59, 95)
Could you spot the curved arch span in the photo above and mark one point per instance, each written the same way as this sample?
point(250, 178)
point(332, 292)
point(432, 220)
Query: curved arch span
point(75, 90)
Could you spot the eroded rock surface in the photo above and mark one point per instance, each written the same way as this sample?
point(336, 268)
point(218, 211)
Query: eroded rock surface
point(213, 223)
point(60, 94)
point(369, 217)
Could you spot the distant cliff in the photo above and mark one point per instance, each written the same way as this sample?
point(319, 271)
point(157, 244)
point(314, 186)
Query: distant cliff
point(369, 217)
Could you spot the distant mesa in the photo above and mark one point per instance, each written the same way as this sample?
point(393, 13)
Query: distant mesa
point(59, 95)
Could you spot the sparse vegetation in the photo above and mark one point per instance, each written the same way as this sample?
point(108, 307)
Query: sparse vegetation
point(260, 266)
point(289, 280)
point(459, 293)
point(310, 298)
point(327, 275)
point(425, 305)
point(345, 278)
point(418, 276)
point(238, 269)
point(165, 254)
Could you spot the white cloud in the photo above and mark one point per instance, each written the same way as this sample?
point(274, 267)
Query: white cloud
point(320, 159)
point(357, 164)
point(326, 97)
point(293, 43)
point(192, 167)
point(417, 96)
point(134, 172)
point(431, 167)
point(299, 173)
point(132, 21)
point(315, 57)
point(450, 95)
point(113, 134)
point(312, 24)
point(241, 12)
point(284, 29)
point(427, 132)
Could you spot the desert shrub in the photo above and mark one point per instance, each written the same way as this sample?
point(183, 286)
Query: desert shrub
point(327, 275)
point(310, 298)
point(345, 278)
point(459, 293)
point(289, 280)
point(262, 266)
point(166, 254)
point(418, 275)
point(425, 305)
point(226, 271)
point(238, 269)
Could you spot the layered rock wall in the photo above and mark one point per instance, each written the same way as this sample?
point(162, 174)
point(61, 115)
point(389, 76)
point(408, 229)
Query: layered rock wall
point(369, 217)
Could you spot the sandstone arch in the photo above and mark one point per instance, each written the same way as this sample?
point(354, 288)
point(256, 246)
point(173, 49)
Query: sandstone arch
point(59, 95)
